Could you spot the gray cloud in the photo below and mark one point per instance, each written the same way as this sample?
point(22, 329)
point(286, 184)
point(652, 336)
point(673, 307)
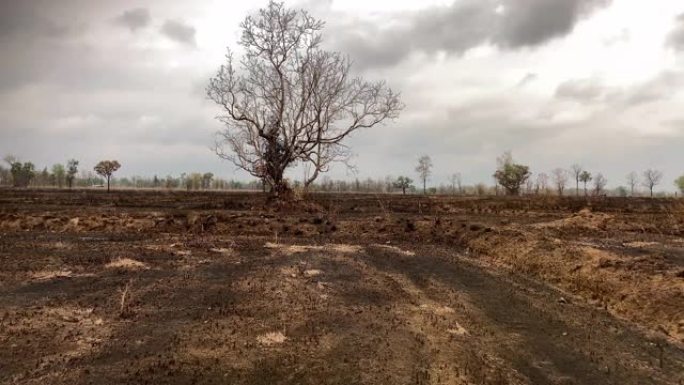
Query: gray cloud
point(509, 24)
point(661, 87)
point(534, 22)
point(454, 29)
point(27, 19)
point(134, 19)
point(527, 79)
point(676, 37)
point(179, 32)
point(581, 90)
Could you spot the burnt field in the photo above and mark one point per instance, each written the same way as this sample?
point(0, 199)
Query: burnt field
point(143, 287)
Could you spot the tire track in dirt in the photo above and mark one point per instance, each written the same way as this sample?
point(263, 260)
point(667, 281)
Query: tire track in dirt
point(524, 324)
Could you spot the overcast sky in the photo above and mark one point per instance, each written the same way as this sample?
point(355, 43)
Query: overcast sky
point(557, 82)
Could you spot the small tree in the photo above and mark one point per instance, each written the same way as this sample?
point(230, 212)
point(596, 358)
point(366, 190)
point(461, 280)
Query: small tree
point(5, 175)
point(632, 181)
point(72, 170)
point(585, 177)
point(206, 180)
point(106, 168)
point(651, 179)
point(622, 191)
point(576, 171)
point(542, 183)
point(511, 175)
point(679, 182)
point(456, 183)
point(22, 173)
point(560, 178)
point(58, 173)
point(599, 183)
point(529, 186)
point(403, 182)
point(424, 170)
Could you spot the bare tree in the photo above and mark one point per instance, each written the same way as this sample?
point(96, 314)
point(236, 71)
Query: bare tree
point(529, 186)
point(424, 170)
point(576, 171)
point(632, 181)
point(456, 183)
point(292, 101)
point(10, 159)
point(542, 183)
point(599, 184)
point(106, 168)
point(560, 178)
point(651, 179)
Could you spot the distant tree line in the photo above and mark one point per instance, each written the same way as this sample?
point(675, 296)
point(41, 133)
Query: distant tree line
point(16, 173)
point(511, 178)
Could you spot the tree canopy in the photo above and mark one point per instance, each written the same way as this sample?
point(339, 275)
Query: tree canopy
point(511, 175)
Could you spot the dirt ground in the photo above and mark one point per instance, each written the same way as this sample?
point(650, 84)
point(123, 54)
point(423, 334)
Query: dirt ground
point(141, 287)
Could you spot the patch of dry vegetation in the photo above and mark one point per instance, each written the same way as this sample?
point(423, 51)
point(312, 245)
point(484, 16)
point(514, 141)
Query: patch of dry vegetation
point(127, 264)
point(644, 289)
point(295, 249)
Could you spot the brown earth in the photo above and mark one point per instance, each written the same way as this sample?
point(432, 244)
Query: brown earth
point(141, 287)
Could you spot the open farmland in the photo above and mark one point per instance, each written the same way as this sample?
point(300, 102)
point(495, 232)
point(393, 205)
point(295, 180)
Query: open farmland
point(143, 287)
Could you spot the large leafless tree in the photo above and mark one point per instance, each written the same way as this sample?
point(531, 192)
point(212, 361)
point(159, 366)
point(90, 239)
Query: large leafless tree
point(288, 101)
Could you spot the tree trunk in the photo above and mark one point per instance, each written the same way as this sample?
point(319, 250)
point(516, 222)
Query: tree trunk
point(424, 188)
point(279, 187)
point(108, 177)
point(312, 179)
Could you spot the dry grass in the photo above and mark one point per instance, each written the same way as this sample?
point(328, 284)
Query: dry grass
point(272, 338)
point(294, 249)
point(126, 264)
point(625, 285)
point(125, 310)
